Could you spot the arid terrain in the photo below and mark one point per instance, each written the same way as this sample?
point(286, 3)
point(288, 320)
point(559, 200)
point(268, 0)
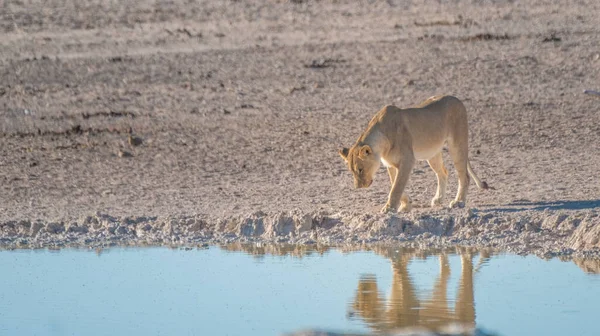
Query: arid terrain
point(217, 121)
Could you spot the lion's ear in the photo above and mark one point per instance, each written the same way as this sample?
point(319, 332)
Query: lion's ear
point(344, 153)
point(365, 151)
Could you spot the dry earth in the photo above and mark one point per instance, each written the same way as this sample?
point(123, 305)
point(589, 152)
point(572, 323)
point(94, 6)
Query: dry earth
point(241, 106)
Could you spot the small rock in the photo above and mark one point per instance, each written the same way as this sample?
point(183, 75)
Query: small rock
point(123, 153)
point(134, 140)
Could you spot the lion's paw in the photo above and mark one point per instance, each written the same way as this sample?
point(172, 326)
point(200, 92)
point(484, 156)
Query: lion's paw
point(388, 209)
point(436, 201)
point(405, 207)
point(456, 204)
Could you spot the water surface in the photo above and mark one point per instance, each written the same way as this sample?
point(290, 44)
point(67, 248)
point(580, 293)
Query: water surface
point(273, 290)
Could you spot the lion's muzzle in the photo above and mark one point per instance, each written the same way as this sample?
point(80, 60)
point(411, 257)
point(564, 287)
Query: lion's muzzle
point(362, 184)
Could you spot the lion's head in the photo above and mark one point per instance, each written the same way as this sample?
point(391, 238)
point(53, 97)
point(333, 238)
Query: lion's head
point(362, 162)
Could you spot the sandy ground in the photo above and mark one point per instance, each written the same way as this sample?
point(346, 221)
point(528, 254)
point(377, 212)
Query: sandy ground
point(240, 107)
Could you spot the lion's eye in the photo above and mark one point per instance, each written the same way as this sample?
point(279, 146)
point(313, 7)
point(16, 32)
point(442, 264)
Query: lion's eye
point(360, 170)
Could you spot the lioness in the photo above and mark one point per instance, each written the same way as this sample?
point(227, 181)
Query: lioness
point(397, 137)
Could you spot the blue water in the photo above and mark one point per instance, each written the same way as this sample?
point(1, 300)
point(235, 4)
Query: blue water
point(161, 291)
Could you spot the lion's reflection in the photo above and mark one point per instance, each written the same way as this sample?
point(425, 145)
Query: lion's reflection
point(403, 308)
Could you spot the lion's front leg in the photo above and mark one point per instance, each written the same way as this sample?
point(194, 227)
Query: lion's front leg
point(397, 198)
point(405, 201)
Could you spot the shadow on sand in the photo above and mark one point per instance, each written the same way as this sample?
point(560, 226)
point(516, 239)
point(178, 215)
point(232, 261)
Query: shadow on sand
point(541, 206)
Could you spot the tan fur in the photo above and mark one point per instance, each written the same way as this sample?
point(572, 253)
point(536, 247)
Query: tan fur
point(399, 137)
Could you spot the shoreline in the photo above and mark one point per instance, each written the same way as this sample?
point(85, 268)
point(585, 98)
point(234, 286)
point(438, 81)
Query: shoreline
point(542, 233)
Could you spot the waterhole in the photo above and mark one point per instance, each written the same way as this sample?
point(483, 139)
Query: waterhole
point(291, 290)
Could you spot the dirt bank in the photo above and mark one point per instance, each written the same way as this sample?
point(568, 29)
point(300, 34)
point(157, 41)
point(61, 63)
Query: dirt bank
point(545, 233)
point(228, 115)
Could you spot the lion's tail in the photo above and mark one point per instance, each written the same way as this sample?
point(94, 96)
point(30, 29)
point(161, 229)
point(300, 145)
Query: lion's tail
point(480, 184)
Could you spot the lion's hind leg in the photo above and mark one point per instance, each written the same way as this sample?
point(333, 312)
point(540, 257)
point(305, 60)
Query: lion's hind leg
point(458, 148)
point(437, 164)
